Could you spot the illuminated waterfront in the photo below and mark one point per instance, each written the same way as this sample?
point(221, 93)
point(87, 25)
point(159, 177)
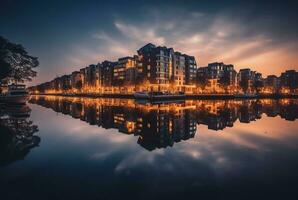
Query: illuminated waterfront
point(147, 100)
point(209, 148)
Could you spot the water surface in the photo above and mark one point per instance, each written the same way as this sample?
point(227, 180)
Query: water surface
point(80, 148)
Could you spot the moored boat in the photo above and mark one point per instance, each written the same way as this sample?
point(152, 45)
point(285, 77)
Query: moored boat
point(15, 94)
point(158, 95)
point(141, 95)
point(247, 95)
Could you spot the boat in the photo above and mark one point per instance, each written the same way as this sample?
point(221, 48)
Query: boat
point(247, 95)
point(156, 102)
point(158, 95)
point(16, 94)
point(17, 111)
point(142, 95)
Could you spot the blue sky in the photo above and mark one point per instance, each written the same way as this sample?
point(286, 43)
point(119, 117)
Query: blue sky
point(68, 35)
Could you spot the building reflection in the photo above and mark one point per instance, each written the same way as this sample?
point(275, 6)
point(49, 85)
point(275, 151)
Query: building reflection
point(161, 125)
point(17, 136)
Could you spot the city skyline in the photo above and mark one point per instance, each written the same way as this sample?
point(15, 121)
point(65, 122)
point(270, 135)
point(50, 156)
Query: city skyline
point(237, 68)
point(260, 36)
point(162, 69)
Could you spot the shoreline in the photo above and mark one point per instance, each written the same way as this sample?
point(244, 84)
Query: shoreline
point(188, 97)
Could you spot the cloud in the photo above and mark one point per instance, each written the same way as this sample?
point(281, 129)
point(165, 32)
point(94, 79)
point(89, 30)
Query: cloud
point(144, 34)
point(112, 46)
point(209, 37)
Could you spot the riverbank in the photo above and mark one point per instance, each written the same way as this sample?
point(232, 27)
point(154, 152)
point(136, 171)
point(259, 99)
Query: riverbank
point(199, 96)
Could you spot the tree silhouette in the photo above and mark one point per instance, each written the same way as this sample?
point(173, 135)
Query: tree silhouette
point(15, 63)
point(4, 69)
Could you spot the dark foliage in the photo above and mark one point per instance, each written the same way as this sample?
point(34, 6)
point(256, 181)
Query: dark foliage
point(15, 63)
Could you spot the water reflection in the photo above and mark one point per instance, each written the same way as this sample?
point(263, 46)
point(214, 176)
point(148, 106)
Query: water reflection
point(77, 160)
point(163, 124)
point(17, 136)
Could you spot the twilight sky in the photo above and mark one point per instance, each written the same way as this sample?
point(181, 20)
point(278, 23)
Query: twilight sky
point(68, 35)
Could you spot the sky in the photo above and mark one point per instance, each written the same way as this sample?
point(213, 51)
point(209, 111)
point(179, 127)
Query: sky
point(69, 35)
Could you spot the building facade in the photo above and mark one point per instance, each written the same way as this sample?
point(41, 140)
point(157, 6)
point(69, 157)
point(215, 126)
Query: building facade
point(161, 69)
point(190, 70)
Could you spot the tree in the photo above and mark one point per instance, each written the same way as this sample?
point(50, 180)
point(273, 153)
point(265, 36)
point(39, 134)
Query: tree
point(15, 63)
point(4, 69)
